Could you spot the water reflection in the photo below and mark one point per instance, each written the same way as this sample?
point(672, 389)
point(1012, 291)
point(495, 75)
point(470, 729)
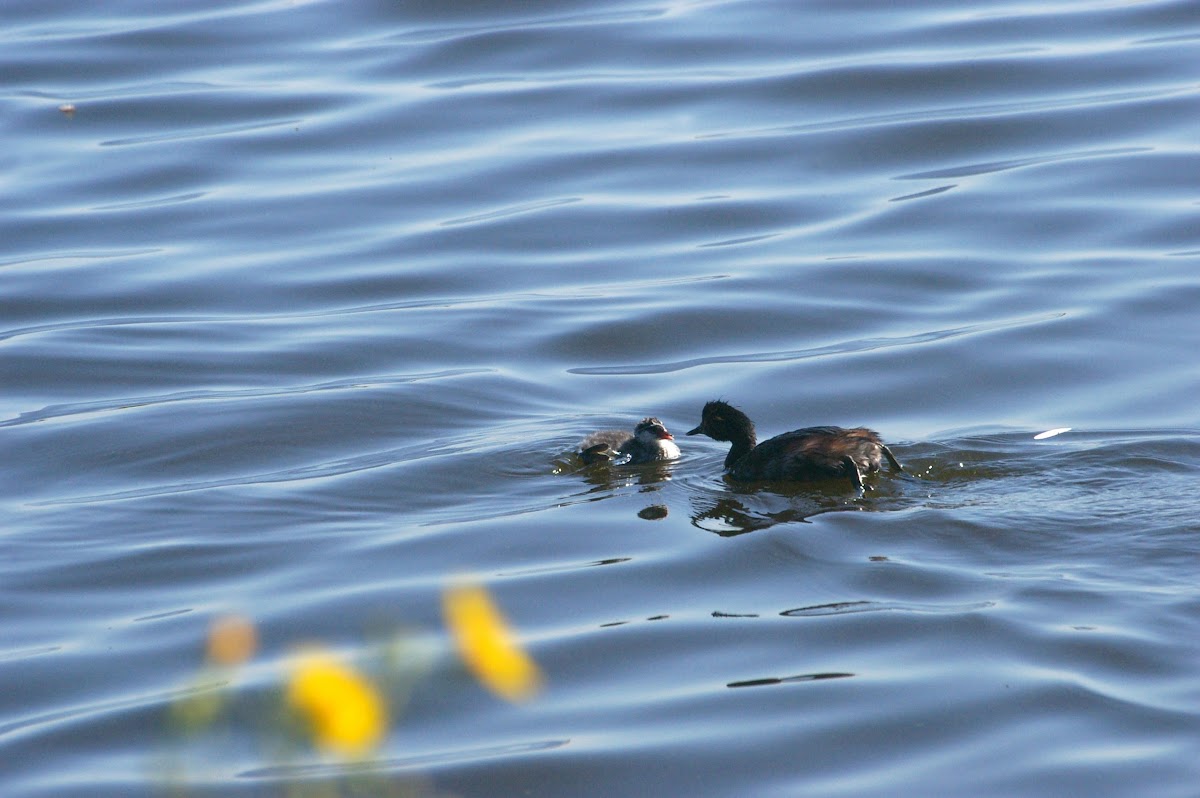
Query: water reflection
point(727, 508)
point(655, 512)
point(605, 477)
point(761, 507)
point(803, 677)
point(730, 516)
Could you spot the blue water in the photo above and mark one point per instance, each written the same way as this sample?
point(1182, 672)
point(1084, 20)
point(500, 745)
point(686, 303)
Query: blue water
point(305, 305)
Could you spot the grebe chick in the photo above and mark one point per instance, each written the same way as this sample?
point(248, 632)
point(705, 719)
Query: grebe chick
point(650, 442)
point(803, 454)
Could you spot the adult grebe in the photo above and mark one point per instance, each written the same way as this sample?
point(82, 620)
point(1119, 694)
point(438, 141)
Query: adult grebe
point(803, 454)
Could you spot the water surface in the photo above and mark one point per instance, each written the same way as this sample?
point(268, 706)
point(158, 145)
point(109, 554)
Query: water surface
point(304, 306)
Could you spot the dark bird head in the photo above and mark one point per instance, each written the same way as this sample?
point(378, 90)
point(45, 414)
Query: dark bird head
point(722, 421)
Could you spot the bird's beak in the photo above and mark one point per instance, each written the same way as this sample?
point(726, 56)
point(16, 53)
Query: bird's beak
point(696, 431)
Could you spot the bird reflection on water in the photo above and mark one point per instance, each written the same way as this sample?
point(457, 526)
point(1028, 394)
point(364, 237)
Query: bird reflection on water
point(729, 516)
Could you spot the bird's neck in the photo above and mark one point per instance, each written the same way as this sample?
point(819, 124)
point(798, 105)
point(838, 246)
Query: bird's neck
point(742, 443)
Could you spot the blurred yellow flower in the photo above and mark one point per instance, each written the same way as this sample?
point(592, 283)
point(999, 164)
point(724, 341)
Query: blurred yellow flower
point(231, 640)
point(343, 708)
point(487, 645)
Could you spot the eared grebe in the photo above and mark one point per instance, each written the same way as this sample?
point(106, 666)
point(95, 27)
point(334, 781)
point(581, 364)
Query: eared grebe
point(649, 442)
point(803, 454)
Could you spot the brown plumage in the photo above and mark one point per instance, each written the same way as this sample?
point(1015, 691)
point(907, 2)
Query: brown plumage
point(804, 454)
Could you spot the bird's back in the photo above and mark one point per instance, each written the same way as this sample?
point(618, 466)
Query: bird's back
point(811, 453)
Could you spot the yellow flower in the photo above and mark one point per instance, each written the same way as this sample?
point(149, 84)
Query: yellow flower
point(344, 710)
point(487, 645)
